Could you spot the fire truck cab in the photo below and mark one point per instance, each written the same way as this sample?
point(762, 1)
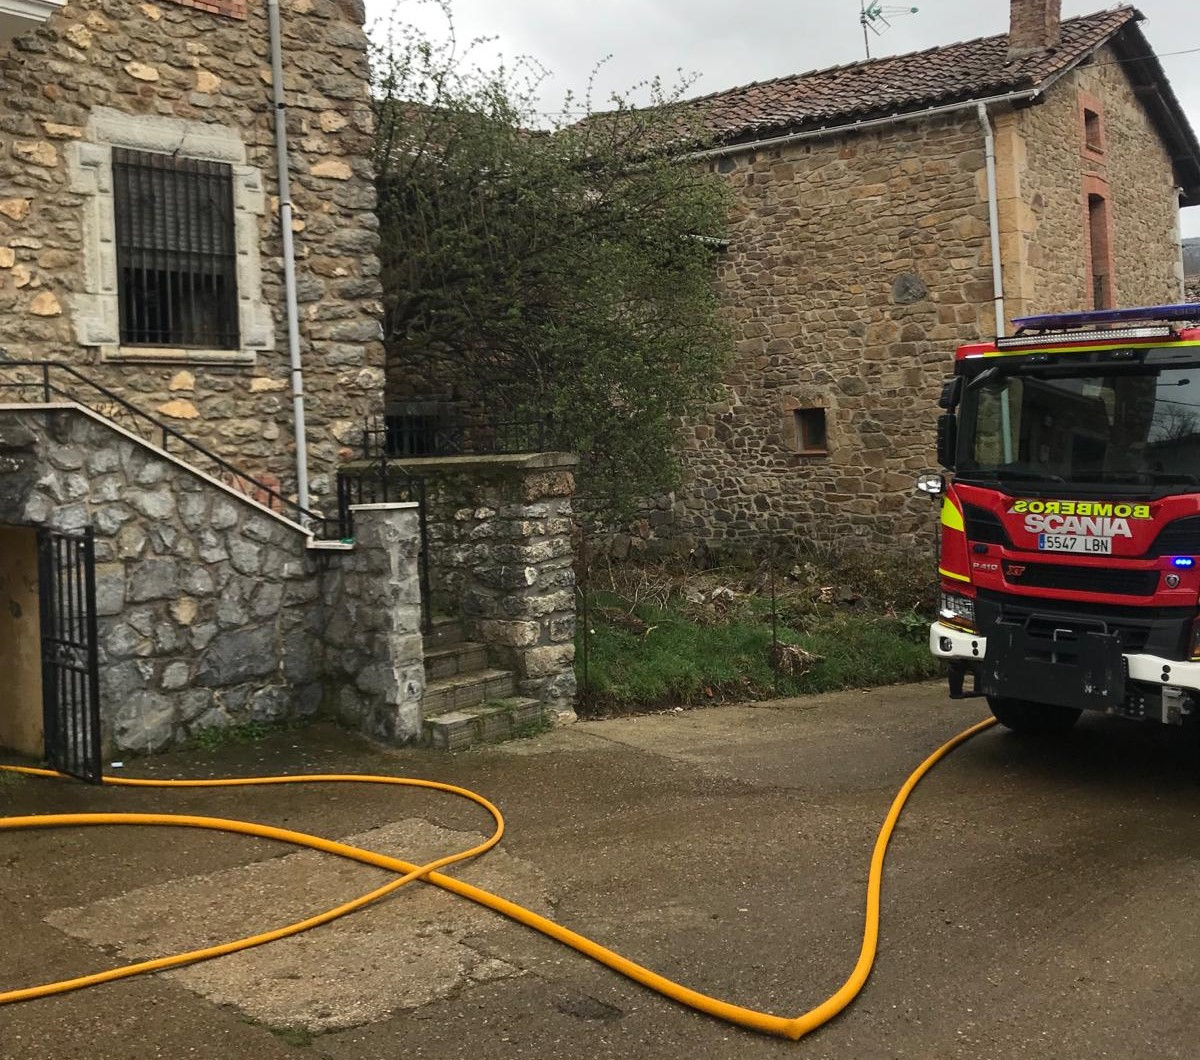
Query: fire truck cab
point(1069, 556)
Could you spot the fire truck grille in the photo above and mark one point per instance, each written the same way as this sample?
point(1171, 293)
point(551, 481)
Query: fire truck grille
point(1178, 538)
point(1118, 581)
point(984, 526)
point(1160, 630)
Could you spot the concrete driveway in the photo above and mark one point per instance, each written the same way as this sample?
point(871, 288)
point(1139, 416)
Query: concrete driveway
point(1041, 899)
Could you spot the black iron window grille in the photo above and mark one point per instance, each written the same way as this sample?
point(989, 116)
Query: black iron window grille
point(176, 251)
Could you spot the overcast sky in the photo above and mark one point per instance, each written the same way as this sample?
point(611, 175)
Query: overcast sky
point(723, 43)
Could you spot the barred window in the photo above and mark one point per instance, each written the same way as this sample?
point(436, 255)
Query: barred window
point(176, 251)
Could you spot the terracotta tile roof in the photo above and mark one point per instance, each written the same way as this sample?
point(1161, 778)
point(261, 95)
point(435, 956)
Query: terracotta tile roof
point(895, 84)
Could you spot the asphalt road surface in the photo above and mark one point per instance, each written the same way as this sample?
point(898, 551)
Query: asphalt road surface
point(1041, 897)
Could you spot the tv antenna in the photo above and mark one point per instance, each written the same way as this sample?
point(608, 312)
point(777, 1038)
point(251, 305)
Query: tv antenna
point(874, 17)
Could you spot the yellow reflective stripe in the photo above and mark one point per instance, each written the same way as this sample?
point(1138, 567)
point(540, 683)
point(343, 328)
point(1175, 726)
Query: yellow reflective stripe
point(951, 517)
point(1139, 344)
point(951, 574)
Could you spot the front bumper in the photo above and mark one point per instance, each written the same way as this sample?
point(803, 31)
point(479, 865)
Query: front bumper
point(946, 642)
point(1153, 684)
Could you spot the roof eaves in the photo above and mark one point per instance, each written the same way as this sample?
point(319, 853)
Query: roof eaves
point(1154, 91)
point(915, 107)
point(1022, 81)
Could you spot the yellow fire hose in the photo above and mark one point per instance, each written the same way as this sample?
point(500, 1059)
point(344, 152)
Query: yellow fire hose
point(787, 1027)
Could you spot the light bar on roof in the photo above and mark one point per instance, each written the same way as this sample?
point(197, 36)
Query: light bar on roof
point(1068, 338)
point(1184, 311)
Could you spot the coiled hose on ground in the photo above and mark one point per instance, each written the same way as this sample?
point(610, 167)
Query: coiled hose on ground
point(793, 1027)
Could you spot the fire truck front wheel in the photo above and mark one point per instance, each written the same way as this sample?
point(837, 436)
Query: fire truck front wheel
point(1020, 715)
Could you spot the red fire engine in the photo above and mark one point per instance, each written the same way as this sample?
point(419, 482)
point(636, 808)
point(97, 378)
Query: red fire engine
point(1070, 529)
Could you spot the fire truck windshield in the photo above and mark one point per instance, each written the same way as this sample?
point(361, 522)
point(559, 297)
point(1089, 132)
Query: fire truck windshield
point(1135, 427)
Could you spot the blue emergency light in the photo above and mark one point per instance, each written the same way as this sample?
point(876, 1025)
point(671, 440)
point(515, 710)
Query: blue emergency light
point(1183, 561)
point(1184, 311)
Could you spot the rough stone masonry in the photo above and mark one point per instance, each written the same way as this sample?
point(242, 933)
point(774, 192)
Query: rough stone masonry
point(212, 611)
point(171, 78)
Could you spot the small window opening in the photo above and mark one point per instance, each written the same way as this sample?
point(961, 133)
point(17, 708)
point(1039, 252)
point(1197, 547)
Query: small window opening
point(810, 431)
point(1093, 134)
point(1102, 281)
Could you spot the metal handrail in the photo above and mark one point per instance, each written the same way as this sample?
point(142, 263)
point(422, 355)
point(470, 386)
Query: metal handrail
point(302, 515)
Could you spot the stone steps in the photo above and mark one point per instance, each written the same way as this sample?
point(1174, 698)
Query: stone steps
point(467, 690)
point(489, 722)
point(446, 632)
point(457, 659)
point(466, 702)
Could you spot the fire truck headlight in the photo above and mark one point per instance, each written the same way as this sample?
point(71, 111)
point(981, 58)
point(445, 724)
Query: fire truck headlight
point(957, 610)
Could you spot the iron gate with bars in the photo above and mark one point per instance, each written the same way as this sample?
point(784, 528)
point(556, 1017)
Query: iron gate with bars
point(70, 666)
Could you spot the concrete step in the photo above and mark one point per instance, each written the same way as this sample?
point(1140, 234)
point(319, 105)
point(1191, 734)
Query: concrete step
point(489, 722)
point(467, 690)
point(446, 632)
point(465, 658)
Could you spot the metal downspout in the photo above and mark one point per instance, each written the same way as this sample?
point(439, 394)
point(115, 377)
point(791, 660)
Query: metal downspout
point(989, 145)
point(989, 142)
point(289, 254)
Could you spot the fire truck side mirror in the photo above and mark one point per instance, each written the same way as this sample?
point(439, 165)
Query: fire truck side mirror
point(951, 391)
point(933, 484)
point(947, 440)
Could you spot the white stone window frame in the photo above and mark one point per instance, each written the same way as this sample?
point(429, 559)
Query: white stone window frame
point(95, 311)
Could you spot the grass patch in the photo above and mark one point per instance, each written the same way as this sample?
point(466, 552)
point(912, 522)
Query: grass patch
point(529, 729)
point(661, 638)
point(216, 736)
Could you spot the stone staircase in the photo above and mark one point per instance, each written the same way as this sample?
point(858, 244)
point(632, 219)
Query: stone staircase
point(466, 702)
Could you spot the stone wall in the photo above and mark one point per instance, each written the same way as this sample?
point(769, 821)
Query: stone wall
point(1044, 216)
point(374, 653)
point(501, 558)
point(180, 76)
point(212, 611)
point(857, 264)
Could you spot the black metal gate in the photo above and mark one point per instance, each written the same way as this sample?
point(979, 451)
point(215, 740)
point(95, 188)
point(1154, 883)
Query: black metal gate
point(70, 668)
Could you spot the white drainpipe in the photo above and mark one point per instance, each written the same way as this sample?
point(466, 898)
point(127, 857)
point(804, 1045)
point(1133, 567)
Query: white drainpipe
point(989, 143)
point(871, 123)
point(289, 253)
point(989, 146)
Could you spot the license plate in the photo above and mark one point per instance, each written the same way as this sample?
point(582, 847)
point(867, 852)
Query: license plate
point(1083, 543)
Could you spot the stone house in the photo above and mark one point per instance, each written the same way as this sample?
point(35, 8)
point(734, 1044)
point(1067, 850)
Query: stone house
point(189, 346)
point(1191, 269)
point(889, 210)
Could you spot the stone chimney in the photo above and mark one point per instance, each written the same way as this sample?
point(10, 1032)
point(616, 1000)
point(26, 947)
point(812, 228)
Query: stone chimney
point(1034, 26)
